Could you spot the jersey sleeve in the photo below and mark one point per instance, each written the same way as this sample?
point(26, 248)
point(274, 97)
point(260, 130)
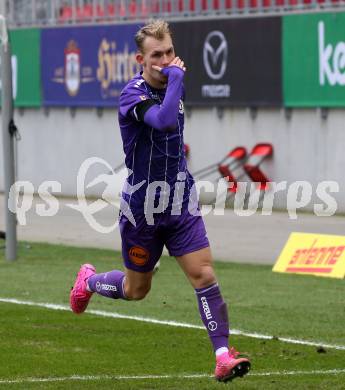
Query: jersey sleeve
point(141, 108)
point(130, 97)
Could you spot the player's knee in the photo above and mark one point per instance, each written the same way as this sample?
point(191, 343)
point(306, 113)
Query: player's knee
point(137, 293)
point(203, 277)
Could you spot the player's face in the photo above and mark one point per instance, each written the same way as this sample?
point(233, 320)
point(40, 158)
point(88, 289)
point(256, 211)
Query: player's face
point(156, 52)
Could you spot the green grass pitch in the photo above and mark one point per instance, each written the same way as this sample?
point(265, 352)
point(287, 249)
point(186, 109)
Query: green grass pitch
point(63, 349)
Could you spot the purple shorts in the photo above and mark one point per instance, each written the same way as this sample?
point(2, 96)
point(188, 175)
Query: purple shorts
point(142, 245)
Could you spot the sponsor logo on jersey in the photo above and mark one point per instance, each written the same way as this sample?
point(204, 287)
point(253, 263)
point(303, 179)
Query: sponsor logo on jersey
point(155, 96)
point(138, 255)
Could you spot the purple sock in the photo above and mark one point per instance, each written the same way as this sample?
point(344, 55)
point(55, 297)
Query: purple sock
point(110, 284)
point(214, 315)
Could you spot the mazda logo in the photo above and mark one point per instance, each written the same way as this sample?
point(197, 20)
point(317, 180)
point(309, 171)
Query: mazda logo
point(215, 54)
point(212, 325)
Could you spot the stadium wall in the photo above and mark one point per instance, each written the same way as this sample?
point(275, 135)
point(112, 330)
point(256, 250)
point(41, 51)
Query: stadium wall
point(292, 64)
point(307, 146)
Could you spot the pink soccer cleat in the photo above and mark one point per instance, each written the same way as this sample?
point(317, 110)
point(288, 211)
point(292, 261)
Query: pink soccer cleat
point(230, 365)
point(79, 296)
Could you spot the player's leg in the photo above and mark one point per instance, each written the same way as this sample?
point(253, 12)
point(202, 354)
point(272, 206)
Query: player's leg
point(131, 285)
point(214, 313)
point(198, 268)
point(140, 250)
point(137, 284)
point(116, 284)
point(189, 244)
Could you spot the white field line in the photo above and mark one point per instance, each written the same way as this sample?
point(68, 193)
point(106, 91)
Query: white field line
point(143, 377)
point(174, 323)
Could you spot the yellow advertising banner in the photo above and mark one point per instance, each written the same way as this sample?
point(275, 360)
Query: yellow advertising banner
point(313, 254)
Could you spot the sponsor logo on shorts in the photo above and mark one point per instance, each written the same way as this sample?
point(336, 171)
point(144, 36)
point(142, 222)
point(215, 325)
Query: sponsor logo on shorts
point(138, 255)
point(212, 326)
point(98, 286)
point(206, 308)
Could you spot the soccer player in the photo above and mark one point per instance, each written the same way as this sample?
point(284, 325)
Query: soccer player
point(159, 195)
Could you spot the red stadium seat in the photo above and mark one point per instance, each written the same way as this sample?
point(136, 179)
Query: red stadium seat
point(111, 10)
point(87, 11)
point(132, 8)
point(100, 11)
point(192, 5)
point(167, 6)
point(155, 6)
point(66, 13)
point(144, 9)
point(122, 11)
point(79, 11)
point(228, 4)
point(215, 4)
point(240, 4)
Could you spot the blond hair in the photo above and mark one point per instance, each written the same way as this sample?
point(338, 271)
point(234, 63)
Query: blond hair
point(154, 28)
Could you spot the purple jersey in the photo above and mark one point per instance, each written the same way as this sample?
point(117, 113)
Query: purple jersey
point(152, 155)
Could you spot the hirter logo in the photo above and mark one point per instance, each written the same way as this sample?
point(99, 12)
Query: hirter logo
point(138, 255)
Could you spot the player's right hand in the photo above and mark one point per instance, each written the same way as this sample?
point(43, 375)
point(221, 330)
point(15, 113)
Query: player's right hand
point(175, 62)
point(178, 62)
